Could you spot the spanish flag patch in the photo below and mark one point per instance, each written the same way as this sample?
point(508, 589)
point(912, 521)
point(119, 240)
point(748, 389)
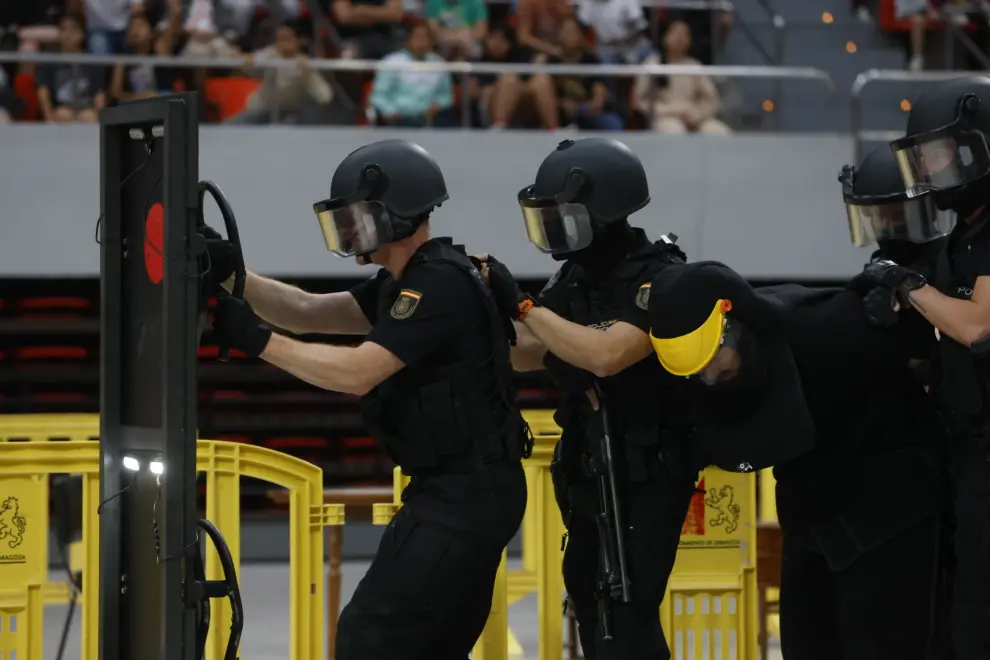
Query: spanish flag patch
point(405, 304)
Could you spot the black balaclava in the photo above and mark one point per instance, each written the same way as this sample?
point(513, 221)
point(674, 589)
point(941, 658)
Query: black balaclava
point(965, 199)
point(919, 257)
point(611, 243)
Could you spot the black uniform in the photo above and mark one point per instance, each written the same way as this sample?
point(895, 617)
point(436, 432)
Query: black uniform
point(860, 514)
point(448, 417)
point(945, 156)
point(859, 562)
point(655, 492)
point(623, 506)
point(449, 420)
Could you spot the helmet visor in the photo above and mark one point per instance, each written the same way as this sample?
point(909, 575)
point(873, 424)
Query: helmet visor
point(916, 220)
point(941, 159)
point(554, 226)
point(355, 228)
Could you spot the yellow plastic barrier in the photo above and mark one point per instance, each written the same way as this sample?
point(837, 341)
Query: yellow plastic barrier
point(24, 471)
point(768, 496)
point(41, 428)
point(711, 606)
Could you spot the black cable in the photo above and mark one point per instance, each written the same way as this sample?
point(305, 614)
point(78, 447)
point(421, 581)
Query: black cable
point(157, 536)
point(99, 509)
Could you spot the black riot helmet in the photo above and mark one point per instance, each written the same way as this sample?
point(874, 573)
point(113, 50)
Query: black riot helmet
point(380, 193)
point(945, 150)
point(581, 188)
point(879, 210)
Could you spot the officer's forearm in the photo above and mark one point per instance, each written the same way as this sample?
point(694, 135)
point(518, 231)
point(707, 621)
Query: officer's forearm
point(282, 305)
point(964, 320)
point(527, 354)
point(351, 370)
point(575, 344)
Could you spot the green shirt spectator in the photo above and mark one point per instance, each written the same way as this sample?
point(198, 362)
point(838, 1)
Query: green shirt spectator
point(459, 26)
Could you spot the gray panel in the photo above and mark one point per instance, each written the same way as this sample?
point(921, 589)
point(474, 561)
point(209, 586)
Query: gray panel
point(768, 205)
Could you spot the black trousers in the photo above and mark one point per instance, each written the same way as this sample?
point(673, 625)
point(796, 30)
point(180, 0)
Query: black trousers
point(653, 514)
point(879, 608)
point(428, 591)
point(970, 619)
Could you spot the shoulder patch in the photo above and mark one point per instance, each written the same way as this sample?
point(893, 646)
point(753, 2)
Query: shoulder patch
point(643, 296)
point(405, 304)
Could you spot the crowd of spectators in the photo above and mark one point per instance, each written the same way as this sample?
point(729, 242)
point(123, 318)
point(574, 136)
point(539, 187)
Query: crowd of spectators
point(254, 33)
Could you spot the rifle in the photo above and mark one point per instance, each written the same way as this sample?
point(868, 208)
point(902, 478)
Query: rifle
point(614, 583)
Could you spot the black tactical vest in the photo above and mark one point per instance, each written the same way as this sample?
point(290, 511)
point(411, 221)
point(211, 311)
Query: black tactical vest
point(633, 395)
point(456, 417)
point(961, 381)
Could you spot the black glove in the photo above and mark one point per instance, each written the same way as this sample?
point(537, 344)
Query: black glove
point(887, 274)
point(511, 300)
point(221, 251)
point(510, 330)
point(236, 326)
point(878, 305)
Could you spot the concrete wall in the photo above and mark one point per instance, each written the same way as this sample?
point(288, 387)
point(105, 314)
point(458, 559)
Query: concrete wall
point(768, 205)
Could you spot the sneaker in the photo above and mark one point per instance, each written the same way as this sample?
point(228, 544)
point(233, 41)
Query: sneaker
point(863, 15)
point(916, 64)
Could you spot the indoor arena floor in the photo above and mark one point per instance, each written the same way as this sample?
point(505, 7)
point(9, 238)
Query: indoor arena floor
point(265, 592)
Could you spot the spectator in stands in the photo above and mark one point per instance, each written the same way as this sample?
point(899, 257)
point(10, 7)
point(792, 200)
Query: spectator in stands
point(918, 12)
point(709, 28)
point(620, 30)
point(205, 41)
point(414, 98)
point(459, 26)
point(510, 97)
point(539, 25)
point(685, 104)
point(584, 101)
point(141, 81)
point(26, 26)
point(367, 27)
point(285, 91)
point(8, 100)
point(106, 24)
point(70, 92)
point(235, 20)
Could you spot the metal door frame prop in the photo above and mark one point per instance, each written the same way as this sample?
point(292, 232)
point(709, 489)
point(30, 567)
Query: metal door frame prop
point(153, 595)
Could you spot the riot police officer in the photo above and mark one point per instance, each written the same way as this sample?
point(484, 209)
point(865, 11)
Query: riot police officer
point(588, 328)
point(945, 155)
point(435, 379)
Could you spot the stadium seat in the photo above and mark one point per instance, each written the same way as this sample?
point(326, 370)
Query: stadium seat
point(53, 306)
point(230, 95)
point(26, 91)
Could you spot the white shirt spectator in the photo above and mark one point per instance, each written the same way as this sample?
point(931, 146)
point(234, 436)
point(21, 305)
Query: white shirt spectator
point(613, 20)
point(107, 15)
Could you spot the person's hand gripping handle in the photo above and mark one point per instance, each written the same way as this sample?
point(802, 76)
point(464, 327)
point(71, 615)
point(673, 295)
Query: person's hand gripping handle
point(233, 237)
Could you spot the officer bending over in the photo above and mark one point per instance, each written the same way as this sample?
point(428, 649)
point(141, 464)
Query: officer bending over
point(945, 155)
point(799, 378)
point(589, 329)
point(435, 380)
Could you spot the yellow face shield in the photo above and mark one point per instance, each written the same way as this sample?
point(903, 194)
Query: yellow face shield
point(689, 354)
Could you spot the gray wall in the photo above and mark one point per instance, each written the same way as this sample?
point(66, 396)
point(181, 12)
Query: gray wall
point(768, 205)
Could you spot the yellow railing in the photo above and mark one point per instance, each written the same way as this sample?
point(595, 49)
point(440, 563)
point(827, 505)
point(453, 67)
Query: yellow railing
point(24, 470)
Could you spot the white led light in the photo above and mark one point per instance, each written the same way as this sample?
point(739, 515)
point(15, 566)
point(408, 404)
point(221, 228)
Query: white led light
point(158, 131)
point(156, 467)
point(131, 463)
point(136, 134)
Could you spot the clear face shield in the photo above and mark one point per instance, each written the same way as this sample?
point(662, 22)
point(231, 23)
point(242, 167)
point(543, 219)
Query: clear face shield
point(945, 158)
point(557, 224)
point(355, 225)
point(892, 217)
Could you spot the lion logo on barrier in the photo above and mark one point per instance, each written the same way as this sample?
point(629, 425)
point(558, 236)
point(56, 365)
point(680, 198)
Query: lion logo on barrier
point(12, 524)
point(728, 511)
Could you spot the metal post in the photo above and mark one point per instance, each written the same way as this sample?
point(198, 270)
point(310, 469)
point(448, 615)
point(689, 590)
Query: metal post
point(149, 336)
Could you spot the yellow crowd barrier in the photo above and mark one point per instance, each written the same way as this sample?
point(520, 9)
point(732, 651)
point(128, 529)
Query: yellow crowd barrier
point(710, 609)
point(24, 470)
